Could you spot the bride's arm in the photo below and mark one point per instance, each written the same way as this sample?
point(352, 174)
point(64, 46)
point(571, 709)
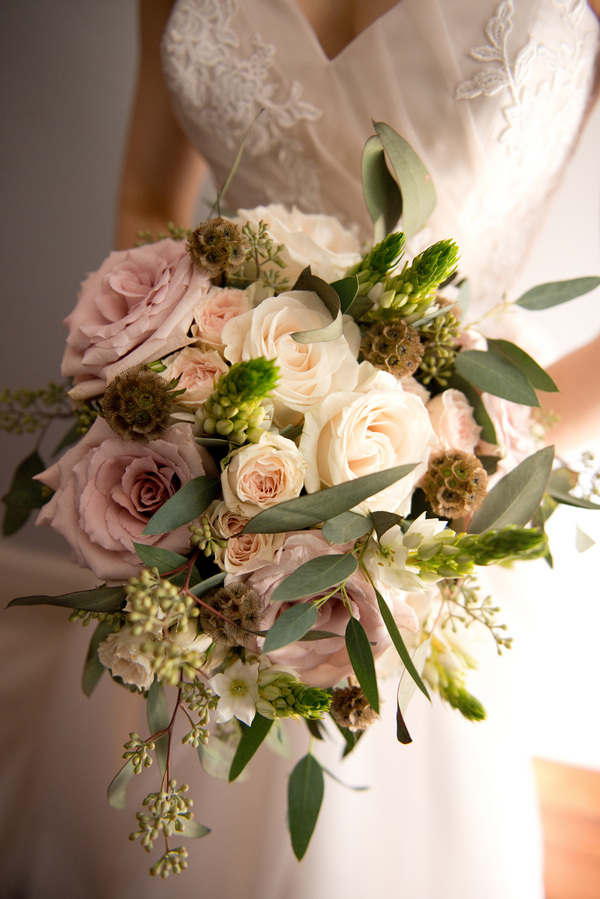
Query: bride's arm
point(162, 173)
point(578, 404)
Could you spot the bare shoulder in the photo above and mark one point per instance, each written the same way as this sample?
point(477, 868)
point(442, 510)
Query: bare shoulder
point(595, 4)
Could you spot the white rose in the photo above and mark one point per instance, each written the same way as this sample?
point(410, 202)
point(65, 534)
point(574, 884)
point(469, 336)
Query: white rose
point(220, 305)
point(358, 433)
point(452, 420)
point(308, 372)
point(122, 654)
point(262, 475)
point(199, 371)
point(316, 240)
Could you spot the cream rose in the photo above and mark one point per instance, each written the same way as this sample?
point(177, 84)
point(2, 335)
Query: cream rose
point(122, 654)
point(220, 305)
point(136, 308)
point(198, 372)
point(452, 420)
point(308, 372)
point(375, 427)
point(316, 240)
point(262, 475)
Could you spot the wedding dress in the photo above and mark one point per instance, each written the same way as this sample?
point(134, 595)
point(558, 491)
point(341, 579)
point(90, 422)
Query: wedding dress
point(491, 97)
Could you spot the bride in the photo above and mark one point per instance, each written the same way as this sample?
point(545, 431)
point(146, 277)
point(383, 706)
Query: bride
point(492, 97)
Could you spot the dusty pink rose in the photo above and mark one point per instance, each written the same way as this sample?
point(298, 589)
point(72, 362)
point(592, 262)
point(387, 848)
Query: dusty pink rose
point(198, 372)
point(452, 420)
point(220, 305)
point(242, 550)
point(137, 307)
point(512, 423)
point(107, 490)
point(320, 663)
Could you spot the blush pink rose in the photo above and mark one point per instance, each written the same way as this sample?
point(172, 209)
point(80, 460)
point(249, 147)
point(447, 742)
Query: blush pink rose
point(452, 420)
point(107, 490)
point(137, 307)
point(198, 372)
point(320, 663)
point(512, 423)
point(220, 305)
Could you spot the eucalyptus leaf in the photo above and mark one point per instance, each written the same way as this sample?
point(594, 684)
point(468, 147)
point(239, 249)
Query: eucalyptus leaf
point(292, 433)
point(290, 626)
point(568, 500)
point(68, 439)
point(278, 740)
point(157, 712)
point(515, 498)
point(432, 316)
point(305, 795)
point(216, 757)
point(392, 628)
point(480, 413)
point(117, 790)
point(383, 521)
point(351, 737)
point(315, 576)
point(102, 599)
point(204, 586)
point(406, 690)
point(414, 181)
point(361, 658)
point(328, 295)
point(347, 290)
point(360, 307)
point(24, 494)
point(347, 526)
point(188, 503)
point(213, 442)
point(193, 830)
point(93, 669)
point(309, 636)
point(165, 560)
point(252, 737)
point(315, 727)
point(534, 373)
point(496, 375)
point(544, 296)
point(489, 463)
point(382, 195)
point(306, 511)
point(343, 783)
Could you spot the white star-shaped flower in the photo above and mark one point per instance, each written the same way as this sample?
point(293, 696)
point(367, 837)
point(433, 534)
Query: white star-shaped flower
point(237, 690)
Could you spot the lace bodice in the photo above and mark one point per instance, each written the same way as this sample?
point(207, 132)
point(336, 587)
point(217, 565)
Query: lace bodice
point(490, 96)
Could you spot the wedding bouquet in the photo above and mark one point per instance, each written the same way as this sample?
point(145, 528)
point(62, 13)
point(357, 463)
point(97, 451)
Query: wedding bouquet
point(279, 473)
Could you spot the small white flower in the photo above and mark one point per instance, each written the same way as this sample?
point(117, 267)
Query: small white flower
point(387, 561)
point(238, 691)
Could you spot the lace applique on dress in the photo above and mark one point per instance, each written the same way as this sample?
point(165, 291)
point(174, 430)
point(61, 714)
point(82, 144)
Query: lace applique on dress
point(223, 93)
point(548, 81)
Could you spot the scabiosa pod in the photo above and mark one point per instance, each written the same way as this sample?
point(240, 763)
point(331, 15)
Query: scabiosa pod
point(350, 708)
point(234, 408)
point(455, 483)
point(238, 614)
point(138, 403)
point(393, 346)
point(217, 246)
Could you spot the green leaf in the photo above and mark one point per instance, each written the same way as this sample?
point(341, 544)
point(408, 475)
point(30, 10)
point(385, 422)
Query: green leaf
point(328, 295)
point(157, 712)
point(351, 737)
point(305, 795)
point(315, 576)
point(24, 495)
point(315, 727)
point(480, 413)
point(318, 635)
point(117, 790)
point(489, 463)
point(306, 511)
point(544, 296)
point(216, 757)
point(347, 526)
point(291, 432)
point(164, 560)
point(189, 502)
point(102, 599)
point(392, 628)
point(71, 437)
point(382, 195)
point(406, 690)
point(204, 586)
point(291, 626)
point(347, 290)
point(534, 373)
point(193, 830)
point(363, 664)
point(252, 737)
point(568, 500)
point(414, 181)
point(496, 375)
point(93, 669)
point(214, 442)
point(343, 783)
point(383, 521)
point(515, 498)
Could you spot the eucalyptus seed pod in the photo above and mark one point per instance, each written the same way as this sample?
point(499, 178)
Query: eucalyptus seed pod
point(393, 346)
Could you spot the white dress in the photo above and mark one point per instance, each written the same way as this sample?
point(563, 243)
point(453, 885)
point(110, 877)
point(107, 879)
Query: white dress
point(491, 97)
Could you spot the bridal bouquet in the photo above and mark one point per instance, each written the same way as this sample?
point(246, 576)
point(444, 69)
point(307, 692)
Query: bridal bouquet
point(279, 471)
